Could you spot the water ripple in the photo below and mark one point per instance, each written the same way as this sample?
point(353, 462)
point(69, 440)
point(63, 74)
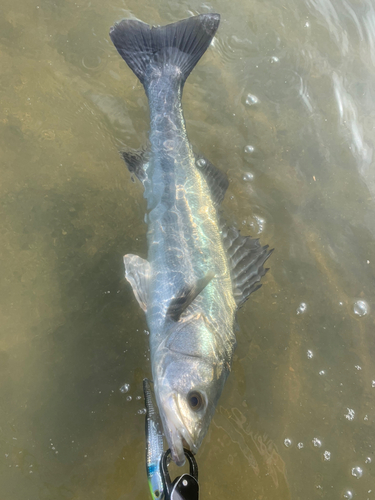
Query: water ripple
point(348, 114)
point(237, 427)
point(231, 47)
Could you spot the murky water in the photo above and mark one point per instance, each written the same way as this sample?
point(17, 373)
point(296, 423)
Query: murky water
point(284, 103)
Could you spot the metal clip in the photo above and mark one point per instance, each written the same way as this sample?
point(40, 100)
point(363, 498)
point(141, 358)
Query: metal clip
point(184, 487)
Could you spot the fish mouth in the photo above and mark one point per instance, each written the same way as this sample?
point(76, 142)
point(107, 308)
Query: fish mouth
point(176, 432)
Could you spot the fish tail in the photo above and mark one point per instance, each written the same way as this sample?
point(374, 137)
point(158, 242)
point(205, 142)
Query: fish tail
point(148, 50)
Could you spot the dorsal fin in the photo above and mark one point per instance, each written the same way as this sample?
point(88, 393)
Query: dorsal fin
point(216, 180)
point(246, 258)
point(186, 296)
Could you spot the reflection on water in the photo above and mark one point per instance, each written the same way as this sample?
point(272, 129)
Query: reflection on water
point(284, 103)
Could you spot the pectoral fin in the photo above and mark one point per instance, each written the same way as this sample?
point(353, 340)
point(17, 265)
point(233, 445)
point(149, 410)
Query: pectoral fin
point(137, 272)
point(179, 304)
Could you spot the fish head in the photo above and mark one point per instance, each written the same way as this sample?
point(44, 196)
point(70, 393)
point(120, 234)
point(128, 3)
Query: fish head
point(189, 377)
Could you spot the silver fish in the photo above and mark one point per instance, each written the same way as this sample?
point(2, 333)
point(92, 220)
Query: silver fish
point(198, 272)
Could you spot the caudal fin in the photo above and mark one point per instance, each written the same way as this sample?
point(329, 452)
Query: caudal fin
point(146, 49)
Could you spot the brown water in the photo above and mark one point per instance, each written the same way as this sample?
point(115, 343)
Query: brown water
point(294, 81)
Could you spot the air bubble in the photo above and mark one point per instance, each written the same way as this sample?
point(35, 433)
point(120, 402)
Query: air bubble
point(348, 495)
point(142, 412)
point(138, 398)
point(310, 354)
point(357, 367)
point(300, 446)
point(322, 372)
point(260, 223)
point(91, 61)
point(129, 398)
point(357, 472)
point(251, 99)
point(316, 442)
point(368, 460)
point(350, 415)
point(249, 149)
point(248, 176)
point(201, 163)
point(373, 383)
point(125, 388)
point(360, 308)
point(274, 59)
point(327, 456)
point(287, 442)
point(301, 308)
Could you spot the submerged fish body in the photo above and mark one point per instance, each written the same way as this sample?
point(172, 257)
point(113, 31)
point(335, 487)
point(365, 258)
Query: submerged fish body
point(198, 272)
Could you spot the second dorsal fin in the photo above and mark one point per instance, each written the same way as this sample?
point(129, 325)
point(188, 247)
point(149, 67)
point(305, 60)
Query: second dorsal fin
point(246, 258)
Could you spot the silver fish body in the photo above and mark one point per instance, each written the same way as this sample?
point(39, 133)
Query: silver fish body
point(187, 286)
point(184, 245)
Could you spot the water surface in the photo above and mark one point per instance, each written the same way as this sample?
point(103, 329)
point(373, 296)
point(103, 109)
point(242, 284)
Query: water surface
point(284, 103)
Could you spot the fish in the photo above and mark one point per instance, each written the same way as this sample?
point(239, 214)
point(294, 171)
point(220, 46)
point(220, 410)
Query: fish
point(198, 270)
point(154, 445)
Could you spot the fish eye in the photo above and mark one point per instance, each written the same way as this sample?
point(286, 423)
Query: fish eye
point(195, 400)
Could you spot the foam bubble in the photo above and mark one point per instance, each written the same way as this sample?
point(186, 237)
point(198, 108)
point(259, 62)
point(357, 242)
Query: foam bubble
point(249, 149)
point(251, 99)
point(201, 162)
point(125, 388)
point(301, 308)
point(360, 308)
point(316, 442)
point(287, 442)
point(248, 176)
point(357, 472)
point(350, 415)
